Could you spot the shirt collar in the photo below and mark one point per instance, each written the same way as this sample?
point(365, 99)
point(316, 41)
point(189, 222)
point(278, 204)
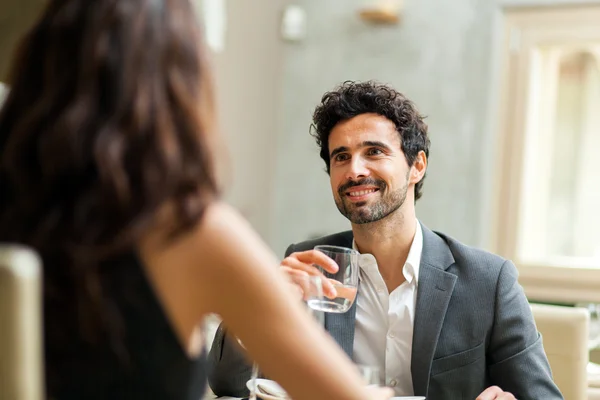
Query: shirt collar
point(413, 261)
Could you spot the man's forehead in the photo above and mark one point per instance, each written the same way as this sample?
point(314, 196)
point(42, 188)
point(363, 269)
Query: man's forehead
point(353, 134)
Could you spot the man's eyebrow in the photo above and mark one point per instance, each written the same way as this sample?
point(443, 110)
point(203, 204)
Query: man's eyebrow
point(337, 151)
point(366, 143)
point(374, 143)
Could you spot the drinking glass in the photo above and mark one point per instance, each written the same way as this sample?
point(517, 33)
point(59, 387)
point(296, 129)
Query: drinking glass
point(312, 288)
point(370, 375)
point(345, 280)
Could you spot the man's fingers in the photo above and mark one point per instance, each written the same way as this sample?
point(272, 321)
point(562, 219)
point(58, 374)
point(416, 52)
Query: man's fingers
point(294, 263)
point(506, 396)
point(316, 257)
point(490, 393)
point(295, 273)
point(299, 273)
point(342, 291)
point(299, 280)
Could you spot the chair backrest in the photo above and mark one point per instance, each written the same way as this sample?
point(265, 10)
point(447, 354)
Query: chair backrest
point(21, 366)
point(565, 336)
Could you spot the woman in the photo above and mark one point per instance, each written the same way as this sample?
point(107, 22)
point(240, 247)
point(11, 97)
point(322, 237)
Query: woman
point(106, 169)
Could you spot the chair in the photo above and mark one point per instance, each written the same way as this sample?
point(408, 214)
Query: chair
point(593, 393)
point(565, 336)
point(21, 367)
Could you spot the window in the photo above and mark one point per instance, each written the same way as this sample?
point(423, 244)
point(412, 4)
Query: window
point(548, 189)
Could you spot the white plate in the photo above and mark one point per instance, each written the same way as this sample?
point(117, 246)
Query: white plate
point(408, 398)
point(275, 385)
point(266, 382)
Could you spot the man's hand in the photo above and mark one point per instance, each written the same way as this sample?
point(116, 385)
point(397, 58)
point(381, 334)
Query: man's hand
point(495, 393)
point(298, 266)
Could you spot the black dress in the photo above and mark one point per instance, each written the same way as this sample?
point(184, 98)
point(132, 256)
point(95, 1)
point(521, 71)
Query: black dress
point(154, 364)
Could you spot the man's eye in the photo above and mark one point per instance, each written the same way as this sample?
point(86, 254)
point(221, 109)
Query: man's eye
point(341, 157)
point(374, 152)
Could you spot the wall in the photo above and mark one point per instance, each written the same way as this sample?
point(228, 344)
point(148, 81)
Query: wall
point(248, 74)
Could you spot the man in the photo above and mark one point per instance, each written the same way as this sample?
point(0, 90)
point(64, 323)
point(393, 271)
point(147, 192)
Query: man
point(440, 319)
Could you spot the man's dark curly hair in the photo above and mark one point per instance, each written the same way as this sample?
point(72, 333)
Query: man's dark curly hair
point(354, 98)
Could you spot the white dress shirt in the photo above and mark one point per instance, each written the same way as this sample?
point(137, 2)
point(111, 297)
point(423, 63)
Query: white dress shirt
point(384, 321)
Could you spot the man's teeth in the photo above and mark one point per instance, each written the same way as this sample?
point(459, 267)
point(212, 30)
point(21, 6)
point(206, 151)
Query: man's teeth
point(361, 193)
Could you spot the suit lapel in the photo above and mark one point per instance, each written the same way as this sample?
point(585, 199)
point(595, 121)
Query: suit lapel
point(434, 291)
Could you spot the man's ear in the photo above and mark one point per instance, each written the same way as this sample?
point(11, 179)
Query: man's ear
point(419, 167)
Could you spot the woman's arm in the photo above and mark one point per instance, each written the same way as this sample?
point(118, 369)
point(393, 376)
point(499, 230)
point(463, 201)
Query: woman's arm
point(224, 267)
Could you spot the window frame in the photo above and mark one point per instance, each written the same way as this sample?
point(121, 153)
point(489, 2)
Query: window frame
point(524, 31)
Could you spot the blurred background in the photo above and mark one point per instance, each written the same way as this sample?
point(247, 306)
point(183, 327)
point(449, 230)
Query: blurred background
point(511, 90)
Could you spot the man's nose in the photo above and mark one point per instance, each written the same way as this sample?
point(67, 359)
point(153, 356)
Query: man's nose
point(357, 169)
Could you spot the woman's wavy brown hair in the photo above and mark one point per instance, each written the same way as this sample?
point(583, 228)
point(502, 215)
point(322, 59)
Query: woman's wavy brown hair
point(109, 118)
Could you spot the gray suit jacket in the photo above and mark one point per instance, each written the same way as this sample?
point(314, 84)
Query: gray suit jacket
point(473, 328)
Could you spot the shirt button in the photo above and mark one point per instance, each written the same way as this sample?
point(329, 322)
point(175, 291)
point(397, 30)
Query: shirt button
point(393, 383)
point(391, 335)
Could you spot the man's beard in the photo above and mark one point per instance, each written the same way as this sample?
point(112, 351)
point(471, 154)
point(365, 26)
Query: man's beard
point(363, 212)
